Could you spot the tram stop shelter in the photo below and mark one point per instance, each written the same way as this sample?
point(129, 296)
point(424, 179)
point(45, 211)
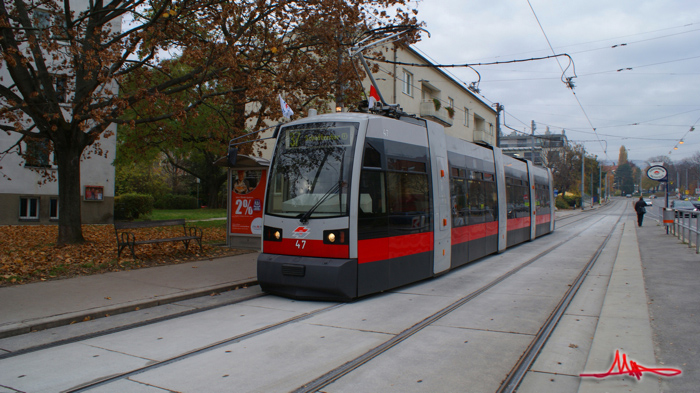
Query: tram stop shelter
point(246, 193)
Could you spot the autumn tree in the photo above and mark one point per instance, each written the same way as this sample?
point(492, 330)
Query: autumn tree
point(231, 51)
point(566, 168)
point(624, 178)
point(622, 158)
point(304, 59)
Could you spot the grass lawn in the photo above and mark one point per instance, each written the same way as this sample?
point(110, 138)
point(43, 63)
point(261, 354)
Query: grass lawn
point(187, 214)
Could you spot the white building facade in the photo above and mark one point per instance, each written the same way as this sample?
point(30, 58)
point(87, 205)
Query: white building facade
point(432, 94)
point(28, 173)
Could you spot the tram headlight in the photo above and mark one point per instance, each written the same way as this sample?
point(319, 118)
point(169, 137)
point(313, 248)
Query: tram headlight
point(335, 236)
point(272, 234)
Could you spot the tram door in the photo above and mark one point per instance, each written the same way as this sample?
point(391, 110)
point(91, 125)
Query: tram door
point(396, 214)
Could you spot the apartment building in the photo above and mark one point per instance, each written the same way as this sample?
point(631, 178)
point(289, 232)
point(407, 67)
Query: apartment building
point(26, 196)
point(432, 94)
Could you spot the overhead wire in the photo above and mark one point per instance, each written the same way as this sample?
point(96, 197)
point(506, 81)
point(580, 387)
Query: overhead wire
point(605, 150)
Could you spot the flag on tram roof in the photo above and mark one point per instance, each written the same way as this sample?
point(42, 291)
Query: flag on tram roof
point(373, 96)
point(286, 110)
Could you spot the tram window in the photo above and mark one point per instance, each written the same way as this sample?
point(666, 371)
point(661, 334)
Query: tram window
point(491, 201)
point(373, 158)
point(398, 164)
point(516, 198)
point(458, 192)
point(408, 203)
point(372, 193)
point(477, 202)
point(408, 193)
point(373, 221)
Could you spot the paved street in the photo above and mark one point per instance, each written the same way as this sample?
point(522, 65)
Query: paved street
point(637, 298)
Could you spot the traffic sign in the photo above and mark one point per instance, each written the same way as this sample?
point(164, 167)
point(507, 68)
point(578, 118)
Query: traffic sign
point(657, 173)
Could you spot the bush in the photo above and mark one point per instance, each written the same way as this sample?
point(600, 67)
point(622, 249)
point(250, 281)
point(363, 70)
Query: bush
point(560, 203)
point(171, 202)
point(572, 200)
point(132, 206)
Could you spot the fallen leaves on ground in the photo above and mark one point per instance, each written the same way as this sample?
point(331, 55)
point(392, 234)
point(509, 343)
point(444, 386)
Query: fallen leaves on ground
point(28, 253)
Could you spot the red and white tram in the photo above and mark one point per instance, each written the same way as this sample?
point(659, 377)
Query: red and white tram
point(360, 203)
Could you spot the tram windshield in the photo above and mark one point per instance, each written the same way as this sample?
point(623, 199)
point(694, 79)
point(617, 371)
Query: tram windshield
point(310, 172)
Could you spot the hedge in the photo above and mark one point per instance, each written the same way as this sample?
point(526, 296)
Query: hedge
point(170, 201)
point(132, 206)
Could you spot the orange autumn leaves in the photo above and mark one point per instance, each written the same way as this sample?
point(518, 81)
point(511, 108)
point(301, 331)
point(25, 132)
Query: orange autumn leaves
point(28, 253)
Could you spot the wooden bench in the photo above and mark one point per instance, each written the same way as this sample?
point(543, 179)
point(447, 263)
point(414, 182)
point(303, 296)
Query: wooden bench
point(128, 239)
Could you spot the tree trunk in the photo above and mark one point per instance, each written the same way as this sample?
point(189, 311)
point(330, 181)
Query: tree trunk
point(213, 191)
point(69, 194)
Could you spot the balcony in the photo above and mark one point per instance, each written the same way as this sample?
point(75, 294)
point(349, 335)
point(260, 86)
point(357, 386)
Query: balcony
point(481, 136)
point(427, 111)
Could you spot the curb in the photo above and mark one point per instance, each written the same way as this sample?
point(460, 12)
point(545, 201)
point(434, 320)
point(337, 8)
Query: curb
point(24, 327)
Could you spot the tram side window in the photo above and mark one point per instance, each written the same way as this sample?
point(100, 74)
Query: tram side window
point(458, 195)
point(477, 201)
point(491, 201)
point(542, 196)
point(517, 200)
point(372, 217)
point(394, 190)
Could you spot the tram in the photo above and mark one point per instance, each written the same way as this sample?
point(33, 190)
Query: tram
point(360, 203)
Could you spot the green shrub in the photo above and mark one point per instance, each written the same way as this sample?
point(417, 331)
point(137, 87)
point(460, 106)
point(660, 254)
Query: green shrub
point(560, 203)
point(572, 200)
point(132, 206)
point(171, 202)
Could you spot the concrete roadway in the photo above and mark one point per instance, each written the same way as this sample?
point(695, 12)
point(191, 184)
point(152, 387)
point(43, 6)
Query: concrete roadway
point(469, 350)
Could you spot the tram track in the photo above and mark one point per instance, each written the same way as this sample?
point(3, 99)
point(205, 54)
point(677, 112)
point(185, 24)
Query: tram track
point(207, 348)
point(514, 378)
point(326, 378)
point(152, 321)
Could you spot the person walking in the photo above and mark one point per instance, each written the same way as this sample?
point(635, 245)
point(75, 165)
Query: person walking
point(641, 208)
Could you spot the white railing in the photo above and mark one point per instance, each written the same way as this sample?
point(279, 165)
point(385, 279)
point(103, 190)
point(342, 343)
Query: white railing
point(685, 226)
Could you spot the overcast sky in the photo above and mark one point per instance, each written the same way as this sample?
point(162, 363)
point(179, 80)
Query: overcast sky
point(648, 109)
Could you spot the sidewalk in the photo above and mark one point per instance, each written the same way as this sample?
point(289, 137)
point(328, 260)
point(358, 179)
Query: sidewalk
point(44, 305)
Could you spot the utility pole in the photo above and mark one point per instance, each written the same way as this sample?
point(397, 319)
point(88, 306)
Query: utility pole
point(533, 141)
point(600, 185)
point(499, 109)
point(583, 160)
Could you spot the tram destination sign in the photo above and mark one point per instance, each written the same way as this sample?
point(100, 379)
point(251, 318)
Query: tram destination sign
point(320, 137)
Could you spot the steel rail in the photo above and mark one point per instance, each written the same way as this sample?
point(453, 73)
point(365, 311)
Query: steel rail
point(204, 349)
point(516, 375)
point(338, 372)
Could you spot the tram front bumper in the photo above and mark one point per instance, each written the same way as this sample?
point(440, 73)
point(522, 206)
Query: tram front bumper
point(308, 278)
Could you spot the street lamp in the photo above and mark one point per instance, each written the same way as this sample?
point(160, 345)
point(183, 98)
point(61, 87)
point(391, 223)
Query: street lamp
point(197, 180)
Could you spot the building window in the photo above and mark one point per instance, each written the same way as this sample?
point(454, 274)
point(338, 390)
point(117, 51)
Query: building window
point(450, 102)
point(61, 85)
point(28, 208)
point(407, 83)
point(490, 129)
point(45, 20)
point(53, 209)
point(466, 117)
point(37, 152)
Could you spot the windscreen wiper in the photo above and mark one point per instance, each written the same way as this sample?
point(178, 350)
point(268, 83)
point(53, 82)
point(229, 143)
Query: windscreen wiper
point(304, 218)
